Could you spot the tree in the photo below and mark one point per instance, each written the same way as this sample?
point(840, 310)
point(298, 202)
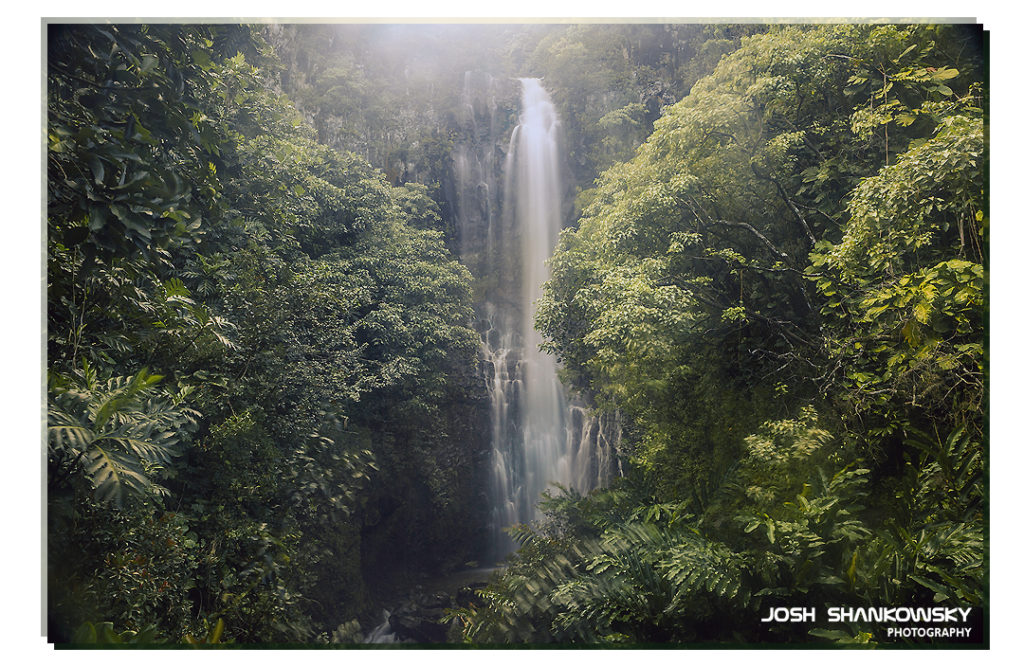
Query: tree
point(293, 313)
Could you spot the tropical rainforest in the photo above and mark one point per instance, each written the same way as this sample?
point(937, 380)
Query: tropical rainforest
point(267, 411)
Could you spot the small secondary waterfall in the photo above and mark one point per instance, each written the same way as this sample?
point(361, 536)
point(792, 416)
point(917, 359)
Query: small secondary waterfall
point(509, 213)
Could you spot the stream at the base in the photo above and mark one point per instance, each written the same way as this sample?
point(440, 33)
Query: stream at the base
point(418, 618)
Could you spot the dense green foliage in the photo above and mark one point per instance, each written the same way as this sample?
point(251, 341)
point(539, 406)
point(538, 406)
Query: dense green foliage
point(785, 292)
point(263, 380)
point(265, 407)
point(611, 82)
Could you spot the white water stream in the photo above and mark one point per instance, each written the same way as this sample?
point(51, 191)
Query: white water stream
point(539, 438)
point(509, 215)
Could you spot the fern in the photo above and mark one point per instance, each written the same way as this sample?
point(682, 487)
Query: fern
point(642, 581)
point(117, 434)
point(696, 565)
point(936, 539)
point(656, 573)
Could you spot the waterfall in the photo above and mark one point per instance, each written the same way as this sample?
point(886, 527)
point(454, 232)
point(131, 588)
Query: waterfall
point(383, 633)
point(540, 436)
point(534, 202)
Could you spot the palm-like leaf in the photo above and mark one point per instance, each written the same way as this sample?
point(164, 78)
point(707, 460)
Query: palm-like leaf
point(117, 433)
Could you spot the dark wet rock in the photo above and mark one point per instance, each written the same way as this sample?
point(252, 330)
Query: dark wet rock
point(420, 617)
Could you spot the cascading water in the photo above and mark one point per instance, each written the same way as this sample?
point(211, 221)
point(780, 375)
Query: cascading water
point(543, 446)
point(507, 199)
point(534, 199)
point(509, 214)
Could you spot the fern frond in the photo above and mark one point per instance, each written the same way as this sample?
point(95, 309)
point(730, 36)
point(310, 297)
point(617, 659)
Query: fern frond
point(117, 433)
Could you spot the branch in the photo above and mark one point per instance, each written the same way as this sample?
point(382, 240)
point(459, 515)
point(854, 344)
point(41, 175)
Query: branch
point(785, 328)
point(747, 226)
point(785, 198)
point(691, 202)
point(819, 212)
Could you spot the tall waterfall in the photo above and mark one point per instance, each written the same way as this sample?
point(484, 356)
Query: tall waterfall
point(534, 201)
point(539, 435)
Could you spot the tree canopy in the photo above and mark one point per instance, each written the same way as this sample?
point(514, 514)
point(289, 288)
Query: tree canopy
point(253, 340)
point(784, 291)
